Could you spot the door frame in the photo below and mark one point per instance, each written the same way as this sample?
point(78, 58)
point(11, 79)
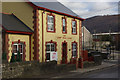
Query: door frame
point(62, 52)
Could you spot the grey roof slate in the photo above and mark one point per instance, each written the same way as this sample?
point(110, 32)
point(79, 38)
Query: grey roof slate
point(12, 23)
point(56, 6)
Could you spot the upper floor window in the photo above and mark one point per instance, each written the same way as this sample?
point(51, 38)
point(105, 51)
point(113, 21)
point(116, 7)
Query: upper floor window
point(50, 23)
point(74, 50)
point(74, 27)
point(64, 25)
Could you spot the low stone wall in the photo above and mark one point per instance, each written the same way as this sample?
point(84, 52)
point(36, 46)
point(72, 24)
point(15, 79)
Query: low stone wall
point(46, 68)
point(13, 70)
point(26, 69)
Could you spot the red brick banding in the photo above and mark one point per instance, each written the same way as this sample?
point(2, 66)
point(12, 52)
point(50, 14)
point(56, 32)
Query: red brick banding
point(7, 45)
point(36, 34)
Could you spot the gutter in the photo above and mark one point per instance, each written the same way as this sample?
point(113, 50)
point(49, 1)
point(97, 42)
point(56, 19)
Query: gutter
point(19, 32)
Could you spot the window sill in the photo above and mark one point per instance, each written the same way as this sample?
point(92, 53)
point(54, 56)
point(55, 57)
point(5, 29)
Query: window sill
point(64, 32)
point(74, 33)
point(51, 31)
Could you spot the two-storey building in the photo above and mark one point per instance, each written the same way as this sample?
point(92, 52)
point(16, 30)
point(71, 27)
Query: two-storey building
point(56, 29)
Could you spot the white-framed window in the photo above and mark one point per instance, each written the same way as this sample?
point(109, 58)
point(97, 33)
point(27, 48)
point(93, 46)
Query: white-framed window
point(74, 27)
point(64, 25)
point(50, 47)
point(50, 23)
point(74, 50)
point(18, 47)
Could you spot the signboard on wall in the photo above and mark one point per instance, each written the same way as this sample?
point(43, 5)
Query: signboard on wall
point(53, 56)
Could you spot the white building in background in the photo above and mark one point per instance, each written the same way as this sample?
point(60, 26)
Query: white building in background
point(87, 38)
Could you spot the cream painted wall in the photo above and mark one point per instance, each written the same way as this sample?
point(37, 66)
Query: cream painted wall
point(32, 45)
point(24, 12)
point(48, 36)
point(21, 9)
point(16, 37)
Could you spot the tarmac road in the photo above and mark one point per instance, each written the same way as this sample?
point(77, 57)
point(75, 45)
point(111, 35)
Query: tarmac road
point(111, 72)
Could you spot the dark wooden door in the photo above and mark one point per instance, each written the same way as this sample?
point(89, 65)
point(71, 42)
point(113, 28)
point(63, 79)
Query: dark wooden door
point(64, 53)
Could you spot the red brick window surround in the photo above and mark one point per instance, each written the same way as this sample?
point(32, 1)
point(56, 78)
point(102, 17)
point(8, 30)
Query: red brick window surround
point(64, 25)
point(50, 23)
point(50, 47)
point(74, 49)
point(74, 27)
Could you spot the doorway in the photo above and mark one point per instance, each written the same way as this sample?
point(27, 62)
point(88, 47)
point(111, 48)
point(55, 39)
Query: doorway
point(64, 52)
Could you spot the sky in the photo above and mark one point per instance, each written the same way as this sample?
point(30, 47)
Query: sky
point(87, 8)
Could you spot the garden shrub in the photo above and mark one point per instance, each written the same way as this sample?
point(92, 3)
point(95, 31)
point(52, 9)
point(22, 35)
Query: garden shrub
point(4, 56)
point(13, 58)
point(18, 57)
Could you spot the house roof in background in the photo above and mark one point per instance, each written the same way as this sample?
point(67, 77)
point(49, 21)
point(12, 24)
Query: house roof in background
point(11, 23)
point(56, 7)
point(102, 24)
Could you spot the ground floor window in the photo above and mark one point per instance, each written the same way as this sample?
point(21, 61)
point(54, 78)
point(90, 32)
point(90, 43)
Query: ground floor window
point(50, 47)
point(18, 47)
point(74, 50)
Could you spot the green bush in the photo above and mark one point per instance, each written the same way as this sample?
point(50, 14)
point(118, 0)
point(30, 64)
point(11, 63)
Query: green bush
point(4, 56)
point(13, 58)
point(18, 57)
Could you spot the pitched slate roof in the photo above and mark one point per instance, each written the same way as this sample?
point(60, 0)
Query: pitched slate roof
point(56, 6)
point(11, 23)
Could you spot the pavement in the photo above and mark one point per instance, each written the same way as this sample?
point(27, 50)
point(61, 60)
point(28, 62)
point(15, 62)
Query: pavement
point(105, 64)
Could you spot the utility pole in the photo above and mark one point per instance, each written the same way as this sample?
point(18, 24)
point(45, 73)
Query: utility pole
point(95, 39)
point(101, 42)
